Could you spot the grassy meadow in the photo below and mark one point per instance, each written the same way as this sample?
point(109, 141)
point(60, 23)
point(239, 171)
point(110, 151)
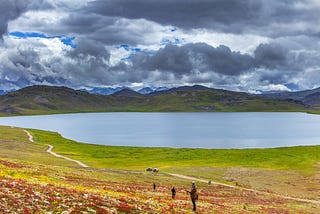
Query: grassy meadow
point(138, 158)
point(117, 181)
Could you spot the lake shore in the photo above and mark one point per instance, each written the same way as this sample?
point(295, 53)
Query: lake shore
point(181, 130)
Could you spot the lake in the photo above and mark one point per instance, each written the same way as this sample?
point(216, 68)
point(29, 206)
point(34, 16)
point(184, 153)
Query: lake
point(179, 130)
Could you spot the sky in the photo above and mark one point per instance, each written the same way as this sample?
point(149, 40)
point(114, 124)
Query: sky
point(240, 45)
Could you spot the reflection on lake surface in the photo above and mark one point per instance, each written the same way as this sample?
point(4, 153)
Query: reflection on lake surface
point(192, 130)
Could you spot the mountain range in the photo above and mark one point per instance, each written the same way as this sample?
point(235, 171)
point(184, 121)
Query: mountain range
point(111, 90)
point(4, 91)
point(308, 97)
point(52, 99)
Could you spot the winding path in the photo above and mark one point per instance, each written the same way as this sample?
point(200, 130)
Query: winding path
point(246, 189)
point(29, 136)
point(49, 150)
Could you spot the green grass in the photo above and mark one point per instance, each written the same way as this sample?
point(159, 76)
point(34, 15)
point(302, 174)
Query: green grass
point(14, 145)
point(303, 158)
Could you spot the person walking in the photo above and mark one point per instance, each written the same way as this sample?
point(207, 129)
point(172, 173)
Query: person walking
point(173, 191)
point(193, 195)
point(154, 186)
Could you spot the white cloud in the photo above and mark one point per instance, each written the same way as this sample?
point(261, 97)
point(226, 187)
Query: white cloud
point(38, 21)
point(244, 43)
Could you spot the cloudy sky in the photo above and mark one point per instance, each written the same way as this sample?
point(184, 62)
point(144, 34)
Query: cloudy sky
point(243, 45)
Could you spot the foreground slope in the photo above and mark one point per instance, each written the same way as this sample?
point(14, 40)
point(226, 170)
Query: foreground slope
point(50, 100)
point(40, 182)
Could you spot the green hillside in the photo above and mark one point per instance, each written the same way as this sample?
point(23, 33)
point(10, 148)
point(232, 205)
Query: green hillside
point(51, 100)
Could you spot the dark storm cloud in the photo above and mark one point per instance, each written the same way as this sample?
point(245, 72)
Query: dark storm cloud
point(25, 65)
point(255, 16)
point(9, 10)
point(115, 22)
point(23, 58)
point(283, 57)
point(109, 30)
point(271, 63)
point(90, 48)
point(12, 9)
point(271, 55)
point(221, 59)
point(169, 58)
point(20, 67)
point(193, 57)
point(182, 13)
point(84, 23)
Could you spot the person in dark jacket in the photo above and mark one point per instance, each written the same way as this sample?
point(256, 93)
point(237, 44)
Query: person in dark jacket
point(173, 191)
point(154, 186)
point(193, 195)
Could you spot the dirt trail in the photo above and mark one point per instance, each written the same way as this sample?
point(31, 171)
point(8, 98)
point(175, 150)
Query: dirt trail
point(246, 189)
point(49, 150)
point(29, 136)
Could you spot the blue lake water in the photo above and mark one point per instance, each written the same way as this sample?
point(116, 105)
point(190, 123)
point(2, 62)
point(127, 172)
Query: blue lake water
point(189, 130)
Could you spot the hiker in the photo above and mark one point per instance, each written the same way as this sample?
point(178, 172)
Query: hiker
point(154, 187)
point(193, 195)
point(173, 191)
point(209, 182)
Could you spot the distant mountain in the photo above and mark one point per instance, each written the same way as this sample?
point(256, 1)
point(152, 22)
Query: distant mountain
point(2, 92)
point(149, 90)
point(191, 88)
point(5, 91)
point(312, 99)
point(103, 91)
point(161, 89)
point(183, 88)
point(146, 90)
point(308, 97)
point(110, 90)
point(51, 100)
point(126, 92)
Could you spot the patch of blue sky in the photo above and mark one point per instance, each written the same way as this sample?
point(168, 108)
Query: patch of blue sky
point(170, 29)
point(128, 48)
point(173, 29)
point(173, 41)
point(68, 41)
point(293, 86)
point(137, 49)
point(25, 35)
point(124, 46)
point(126, 59)
point(150, 53)
point(165, 41)
point(129, 57)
